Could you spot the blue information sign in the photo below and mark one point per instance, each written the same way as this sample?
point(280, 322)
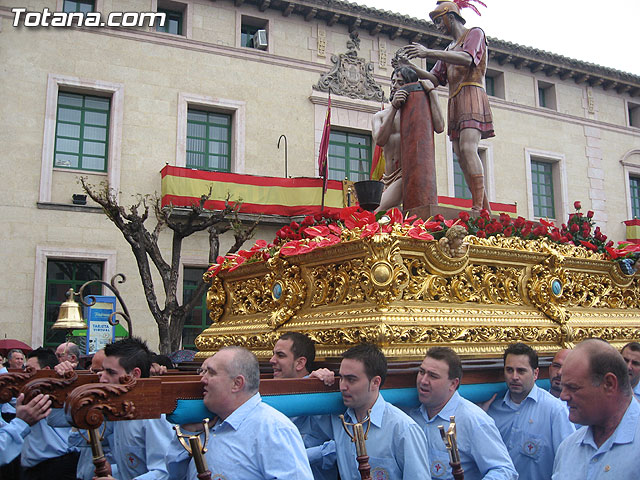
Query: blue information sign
point(99, 331)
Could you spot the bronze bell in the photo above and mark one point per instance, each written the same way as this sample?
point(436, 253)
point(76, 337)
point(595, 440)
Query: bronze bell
point(70, 315)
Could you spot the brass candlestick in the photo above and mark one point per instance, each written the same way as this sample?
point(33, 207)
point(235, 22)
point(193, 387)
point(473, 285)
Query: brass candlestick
point(359, 436)
point(450, 439)
point(196, 449)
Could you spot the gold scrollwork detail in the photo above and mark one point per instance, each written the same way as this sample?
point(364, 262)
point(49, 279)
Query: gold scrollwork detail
point(384, 276)
point(216, 298)
point(537, 245)
point(287, 289)
point(335, 284)
point(482, 284)
point(546, 285)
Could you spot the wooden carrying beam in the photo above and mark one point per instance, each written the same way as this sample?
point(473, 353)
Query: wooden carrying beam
point(180, 397)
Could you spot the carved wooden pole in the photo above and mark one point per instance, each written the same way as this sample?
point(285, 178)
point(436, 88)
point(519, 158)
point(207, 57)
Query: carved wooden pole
point(417, 150)
point(101, 464)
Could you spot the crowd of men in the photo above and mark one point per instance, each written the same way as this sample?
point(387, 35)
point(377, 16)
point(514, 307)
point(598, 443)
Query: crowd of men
point(587, 426)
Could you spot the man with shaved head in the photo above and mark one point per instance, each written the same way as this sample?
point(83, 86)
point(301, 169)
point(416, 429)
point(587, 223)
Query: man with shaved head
point(595, 385)
point(555, 372)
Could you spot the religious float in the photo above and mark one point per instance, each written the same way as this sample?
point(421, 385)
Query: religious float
point(407, 284)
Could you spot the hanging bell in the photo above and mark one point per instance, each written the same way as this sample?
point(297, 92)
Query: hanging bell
point(70, 315)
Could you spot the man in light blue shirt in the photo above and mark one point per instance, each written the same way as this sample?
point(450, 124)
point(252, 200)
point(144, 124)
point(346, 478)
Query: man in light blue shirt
point(532, 422)
point(249, 440)
point(139, 446)
point(46, 448)
point(293, 356)
point(12, 434)
point(396, 445)
point(595, 385)
point(483, 454)
point(631, 354)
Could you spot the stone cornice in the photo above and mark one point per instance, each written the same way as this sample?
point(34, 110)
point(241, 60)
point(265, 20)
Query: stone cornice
point(382, 22)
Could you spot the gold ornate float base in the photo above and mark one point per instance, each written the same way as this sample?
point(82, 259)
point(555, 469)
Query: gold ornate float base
point(406, 295)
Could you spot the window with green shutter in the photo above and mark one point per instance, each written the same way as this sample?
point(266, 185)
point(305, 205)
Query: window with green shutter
point(349, 156)
point(172, 22)
point(208, 141)
point(542, 189)
point(634, 186)
point(199, 319)
point(82, 132)
point(61, 276)
point(82, 6)
point(460, 185)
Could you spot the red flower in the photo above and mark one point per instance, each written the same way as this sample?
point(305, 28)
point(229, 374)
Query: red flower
point(577, 205)
point(464, 216)
point(555, 235)
point(480, 222)
point(574, 228)
point(432, 226)
point(590, 214)
point(569, 236)
point(519, 222)
point(508, 231)
point(419, 233)
point(438, 218)
point(370, 230)
point(505, 219)
point(540, 230)
point(396, 215)
point(481, 234)
point(547, 223)
point(317, 231)
point(294, 226)
point(308, 220)
point(589, 245)
point(484, 213)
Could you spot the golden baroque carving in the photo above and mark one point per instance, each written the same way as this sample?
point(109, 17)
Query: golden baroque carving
point(545, 287)
point(384, 276)
point(216, 298)
point(335, 284)
point(537, 245)
point(483, 284)
point(383, 335)
point(288, 290)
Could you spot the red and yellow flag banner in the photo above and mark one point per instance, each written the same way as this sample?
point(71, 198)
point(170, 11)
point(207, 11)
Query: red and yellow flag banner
point(633, 230)
point(181, 187)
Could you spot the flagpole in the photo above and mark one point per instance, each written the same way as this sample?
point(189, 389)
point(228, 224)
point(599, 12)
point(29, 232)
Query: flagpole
point(323, 160)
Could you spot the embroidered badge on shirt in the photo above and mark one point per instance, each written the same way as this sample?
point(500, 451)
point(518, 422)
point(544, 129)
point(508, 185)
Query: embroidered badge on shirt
point(438, 469)
point(530, 447)
point(379, 474)
point(132, 460)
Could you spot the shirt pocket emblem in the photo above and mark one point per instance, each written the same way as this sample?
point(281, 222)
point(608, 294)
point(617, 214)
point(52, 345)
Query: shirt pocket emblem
point(438, 468)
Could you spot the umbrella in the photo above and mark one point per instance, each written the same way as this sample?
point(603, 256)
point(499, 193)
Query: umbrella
point(7, 344)
point(182, 356)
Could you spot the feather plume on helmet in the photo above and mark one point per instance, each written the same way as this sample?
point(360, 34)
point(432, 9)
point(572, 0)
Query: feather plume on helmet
point(444, 7)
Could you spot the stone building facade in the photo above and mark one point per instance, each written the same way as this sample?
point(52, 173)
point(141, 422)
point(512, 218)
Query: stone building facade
point(117, 104)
